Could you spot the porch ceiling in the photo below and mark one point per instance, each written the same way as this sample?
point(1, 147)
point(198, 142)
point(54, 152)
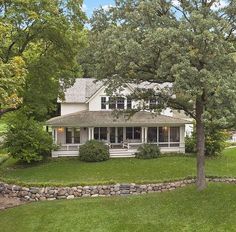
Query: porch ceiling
point(108, 119)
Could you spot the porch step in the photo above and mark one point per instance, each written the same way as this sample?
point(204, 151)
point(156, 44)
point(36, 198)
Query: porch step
point(122, 153)
point(117, 155)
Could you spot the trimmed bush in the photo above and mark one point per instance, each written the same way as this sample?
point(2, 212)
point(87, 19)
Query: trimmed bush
point(148, 151)
point(26, 140)
point(93, 151)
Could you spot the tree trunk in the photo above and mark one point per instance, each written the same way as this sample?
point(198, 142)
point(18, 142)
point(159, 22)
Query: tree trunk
point(201, 179)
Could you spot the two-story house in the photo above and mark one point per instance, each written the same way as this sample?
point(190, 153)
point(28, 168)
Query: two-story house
point(87, 113)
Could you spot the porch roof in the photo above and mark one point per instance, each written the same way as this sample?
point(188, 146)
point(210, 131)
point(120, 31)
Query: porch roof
point(108, 119)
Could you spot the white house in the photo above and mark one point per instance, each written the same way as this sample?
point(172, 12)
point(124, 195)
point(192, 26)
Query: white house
point(87, 113)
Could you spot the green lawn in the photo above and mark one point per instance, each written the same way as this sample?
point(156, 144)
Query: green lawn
point(73, 172)
point(185, 209)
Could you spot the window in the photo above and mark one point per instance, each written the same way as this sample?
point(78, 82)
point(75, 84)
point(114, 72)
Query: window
point(103, 133)
point(129, 132)
point(152, 135)
point(68, 135)
point(137, 132)
point(112, 103)
point(133, 133)
point(103, 103)
point(76, 135)
point(72, 135)
point(174, 136)
point(152, 103)
point(169, 136)
point(120, 103)
point(96, 133)
point(163, 136)
point(100, 133)
point(129, 103)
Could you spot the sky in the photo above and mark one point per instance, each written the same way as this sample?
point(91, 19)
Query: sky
point(90, 5)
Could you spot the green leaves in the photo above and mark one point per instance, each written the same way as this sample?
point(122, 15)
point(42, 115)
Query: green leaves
point(189, 44)
point(26, 139)
point(47, 36)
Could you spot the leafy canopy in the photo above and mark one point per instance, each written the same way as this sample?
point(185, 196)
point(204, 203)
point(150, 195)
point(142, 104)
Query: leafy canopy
point(189, 44)
point(39, 40)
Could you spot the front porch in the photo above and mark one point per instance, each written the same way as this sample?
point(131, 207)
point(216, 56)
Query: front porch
point(122, 141)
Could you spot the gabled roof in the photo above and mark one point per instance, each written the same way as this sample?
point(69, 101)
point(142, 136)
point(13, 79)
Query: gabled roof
point(85, 88)
point(82, 90)
point(107, 118)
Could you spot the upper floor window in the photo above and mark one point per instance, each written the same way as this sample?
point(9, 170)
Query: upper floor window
point(112, 103)
point(120, 103)
point(103, 103)
point(115, 103)
point(152, 103)
point(129, 103)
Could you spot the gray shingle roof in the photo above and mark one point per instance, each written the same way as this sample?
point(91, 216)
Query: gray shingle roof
point(107, 118)
point(82, 90)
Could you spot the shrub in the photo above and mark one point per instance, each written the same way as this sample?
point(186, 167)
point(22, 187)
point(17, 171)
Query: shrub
point(215, 141)
point(148, 151)
point(94, 151)
point(26, 140)
point(190, 144)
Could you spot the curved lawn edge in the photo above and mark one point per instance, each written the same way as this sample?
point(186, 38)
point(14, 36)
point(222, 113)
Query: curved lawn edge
point(72, 184)
point(111, 182)
point(54, 193)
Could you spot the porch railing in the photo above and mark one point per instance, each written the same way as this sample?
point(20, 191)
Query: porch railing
point(127, 145)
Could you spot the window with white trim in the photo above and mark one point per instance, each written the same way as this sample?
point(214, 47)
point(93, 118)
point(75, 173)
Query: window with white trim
point(103, 103)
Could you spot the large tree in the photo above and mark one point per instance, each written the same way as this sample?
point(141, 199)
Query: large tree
point(39, 43)
point(187, 43)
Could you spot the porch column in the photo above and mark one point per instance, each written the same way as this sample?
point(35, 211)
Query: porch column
point(181, 139)
point(143, 134)
point(146, 131)
point(54, 135)
point(90, 133)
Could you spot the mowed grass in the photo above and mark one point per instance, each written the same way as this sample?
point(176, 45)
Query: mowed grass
point(185, 209)
point(72, 171)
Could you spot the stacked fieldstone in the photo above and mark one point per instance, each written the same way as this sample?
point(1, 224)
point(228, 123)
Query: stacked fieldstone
point(53, 193)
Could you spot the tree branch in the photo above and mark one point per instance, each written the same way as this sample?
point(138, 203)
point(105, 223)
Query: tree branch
point(4, 111)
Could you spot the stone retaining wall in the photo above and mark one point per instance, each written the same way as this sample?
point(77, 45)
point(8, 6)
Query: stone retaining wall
point(53, 193)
